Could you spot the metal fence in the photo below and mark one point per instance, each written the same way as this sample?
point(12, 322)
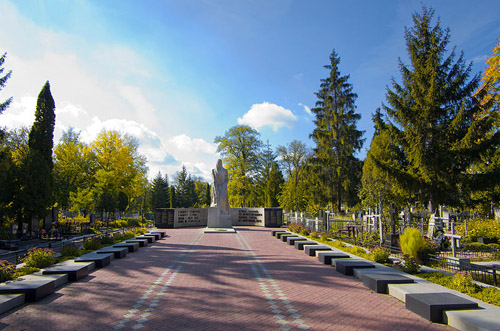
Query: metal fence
point(488, 274)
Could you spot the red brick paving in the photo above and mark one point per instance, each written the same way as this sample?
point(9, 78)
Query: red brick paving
point(211, 284)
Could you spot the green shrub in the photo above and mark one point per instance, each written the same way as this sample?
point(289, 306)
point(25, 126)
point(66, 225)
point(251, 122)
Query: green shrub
point(410, 265)
point(124, 236)
point(476, 247)
point(140, 231)
point(379, 254)
point(107, 240)
point(25, 271)
point(490, 295)
point(464, 283)
point(480, 228)
point(91, 244)
point(430, 248)
point(411, 242)
point(494, 246)
point(7, 270)
point(39, 257)
point(315, 235)
point(495, 256)
point(70, 250)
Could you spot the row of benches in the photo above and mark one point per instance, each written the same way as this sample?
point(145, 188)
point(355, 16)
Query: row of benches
point(31, 288)
point(433, 302)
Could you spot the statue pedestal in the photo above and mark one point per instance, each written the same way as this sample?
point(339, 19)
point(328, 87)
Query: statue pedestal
point(218, 222)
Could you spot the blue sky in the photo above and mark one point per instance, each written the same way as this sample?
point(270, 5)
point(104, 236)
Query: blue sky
point(175, 74)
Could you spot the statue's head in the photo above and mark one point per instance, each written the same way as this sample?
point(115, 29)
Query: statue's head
point(219, 164)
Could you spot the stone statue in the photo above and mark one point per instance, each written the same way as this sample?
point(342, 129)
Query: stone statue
point(219, 188)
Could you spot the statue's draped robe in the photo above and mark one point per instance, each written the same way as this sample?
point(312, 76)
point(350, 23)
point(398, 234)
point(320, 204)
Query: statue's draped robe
point(219, 190)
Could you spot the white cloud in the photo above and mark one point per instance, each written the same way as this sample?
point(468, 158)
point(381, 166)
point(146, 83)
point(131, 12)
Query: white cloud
point(21, 112)
point(306, 109)
point(298, 76)
point(268, 114)
point(139, 103)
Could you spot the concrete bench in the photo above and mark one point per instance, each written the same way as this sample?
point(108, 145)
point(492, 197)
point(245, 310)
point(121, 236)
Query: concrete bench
point(312, 249)
point(162, 233)
point(300, 244)
point(100, 260)
point(118, 252)
point(326, 256)
point(273, 232)
point(10, 301)
point(346, 266)
point(156, 235)
point(141, 242)
point(279, 234)
point(151, 239)
point(292, 240)
point(377, 282)
point(431, 305)
point(132, 247)
point(33, 287)
point(74, 270)
point(285, 236)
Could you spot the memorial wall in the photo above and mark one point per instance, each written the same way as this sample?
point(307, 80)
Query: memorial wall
point(184, 217)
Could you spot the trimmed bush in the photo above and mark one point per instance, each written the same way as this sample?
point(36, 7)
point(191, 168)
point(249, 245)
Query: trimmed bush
point(91, 244)
point(7, 270)
point(39, 258)
point(410, 265)
point(412, 242)
point(379, 254)
point(70, 250)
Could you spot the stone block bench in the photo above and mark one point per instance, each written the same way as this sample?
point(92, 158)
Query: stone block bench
point(284, 237)
point(151, 239)
point(162, 233)
point(132, 247)
point(279, 234)
point(300, 244)
point(33, 287)
point(273, 232)
point(118, 252)
point(292, 240)
point(74, 270)
point(10, 301)
point(100, 260)
point(432, 305)
point(157, 236)
point(346, 266)
point(141, 242)
point(378, 281)
point(326, 257)
point(311, 250)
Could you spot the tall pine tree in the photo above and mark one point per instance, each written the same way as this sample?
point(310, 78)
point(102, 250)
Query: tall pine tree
point(336, 136)
point(3, 80)
point(38, 180)
point(439, 127)
point(160, 192)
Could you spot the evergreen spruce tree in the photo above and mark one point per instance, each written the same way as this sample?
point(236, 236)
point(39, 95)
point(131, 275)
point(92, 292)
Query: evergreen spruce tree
point(173, 198)
point(38, 180)
point(336, 136)
point(273, 186)
point(3, 80)
point(208, 195)
point(159, 192)
point(439, 127)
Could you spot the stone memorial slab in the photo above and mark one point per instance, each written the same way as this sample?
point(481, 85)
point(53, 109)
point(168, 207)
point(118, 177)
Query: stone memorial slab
point(100, 260)
point(156, 235)
point(141, 242)
point(10, 301)
point(132, 247)
point(33, 287)
point(326, 256)
point(118, 252)
point(273, 232)
point(431, 305)
point(346, 266)
point(74, 270)
point(151, 239)
point(377, 282)
point(312, 249)
point(162, 233)
point(279, 234)
point(300, 244)
point(291, 240)
point(283, 237)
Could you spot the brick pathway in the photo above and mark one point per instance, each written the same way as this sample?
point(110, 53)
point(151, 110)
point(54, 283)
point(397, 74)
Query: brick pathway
point(196, 281)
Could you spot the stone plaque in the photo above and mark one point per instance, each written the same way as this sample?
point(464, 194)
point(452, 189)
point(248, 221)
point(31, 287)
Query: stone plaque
point(164, 217)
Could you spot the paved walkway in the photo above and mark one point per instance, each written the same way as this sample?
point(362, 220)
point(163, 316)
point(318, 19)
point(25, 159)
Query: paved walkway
point(196, 281)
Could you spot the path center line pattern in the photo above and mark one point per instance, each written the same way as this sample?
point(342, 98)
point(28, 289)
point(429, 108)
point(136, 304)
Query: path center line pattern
point(284, 311)
point(145, 306)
